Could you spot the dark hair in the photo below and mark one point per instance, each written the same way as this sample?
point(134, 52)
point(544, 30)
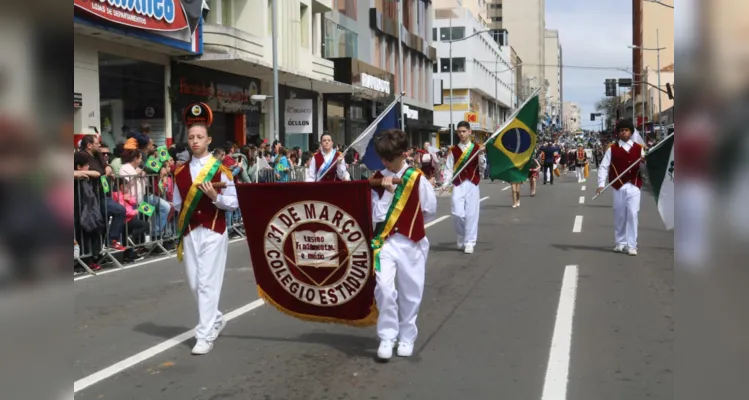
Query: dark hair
point(391, 144)
point(118, 149)
point(326, 134)
point(625, 123)
point(79, 160)
point(87, 140)
point(228, 146)
point(306, 156)
point(130, 155)
point(464, 124)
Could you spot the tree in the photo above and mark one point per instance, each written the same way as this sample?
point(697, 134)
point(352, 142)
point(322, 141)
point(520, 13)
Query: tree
point(609, 106)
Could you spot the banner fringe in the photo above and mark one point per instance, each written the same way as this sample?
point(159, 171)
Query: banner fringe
point(369, 320)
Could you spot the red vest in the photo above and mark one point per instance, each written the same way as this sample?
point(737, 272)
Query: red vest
point(206, 214)
point(581, 155)
point(621, 160)
point(411, 221)
point(471, 171)
point(332, 173)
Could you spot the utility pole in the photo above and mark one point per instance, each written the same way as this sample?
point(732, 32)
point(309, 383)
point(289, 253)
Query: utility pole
point(274, 39)
point(400, 66)
point(660, 109)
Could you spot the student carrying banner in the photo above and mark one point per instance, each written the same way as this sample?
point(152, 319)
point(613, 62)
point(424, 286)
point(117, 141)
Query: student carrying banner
point(202, 235)
point(400, 243)
point(320, 168)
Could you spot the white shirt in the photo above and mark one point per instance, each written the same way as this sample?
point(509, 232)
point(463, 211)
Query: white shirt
point(450, 162)
point(341, 168)
point(227, 197)
point(136, 184)
point(380, 205)
point(603, 168)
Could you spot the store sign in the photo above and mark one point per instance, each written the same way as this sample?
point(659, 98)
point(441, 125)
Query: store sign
point(298, 116)
point(369, 81)
point(77, 100)
point(459, 99)
point(154, 15)
point(410, 114)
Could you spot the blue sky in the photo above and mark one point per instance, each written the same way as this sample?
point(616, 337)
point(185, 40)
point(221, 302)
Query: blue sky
point(592, 33)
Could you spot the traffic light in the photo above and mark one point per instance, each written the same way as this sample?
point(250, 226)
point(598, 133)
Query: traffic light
point(610, 87)
point(592, 117)
point(625, 82)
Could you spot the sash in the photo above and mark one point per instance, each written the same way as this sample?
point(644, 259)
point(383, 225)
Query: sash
point(324, 169)
point(400, 199)
point(190, 203)
point(463, 158)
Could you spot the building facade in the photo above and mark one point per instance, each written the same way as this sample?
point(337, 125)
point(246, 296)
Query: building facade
point(553, 73)
point(483, 75)
point(571, 121)
point(522, 25)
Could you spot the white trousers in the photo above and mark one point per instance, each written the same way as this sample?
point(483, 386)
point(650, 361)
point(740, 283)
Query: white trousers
point(626, 210)
point(205, 262)
point(400, 285)
point(580, 173)
point(465, 210)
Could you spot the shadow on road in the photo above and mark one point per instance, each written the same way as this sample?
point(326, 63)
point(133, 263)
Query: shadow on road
point(568, 247)
point(351, 345)
point(166, 332)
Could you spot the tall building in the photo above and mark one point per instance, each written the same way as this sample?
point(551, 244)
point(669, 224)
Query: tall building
point(653, 27)
point(483, 75)
point(571, 122)
point(522, 25)
point(553, 73)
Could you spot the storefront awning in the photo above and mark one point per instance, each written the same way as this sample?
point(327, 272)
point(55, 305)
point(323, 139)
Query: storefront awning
point(258, 69)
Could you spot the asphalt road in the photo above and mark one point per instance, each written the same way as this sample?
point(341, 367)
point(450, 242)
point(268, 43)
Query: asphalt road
point(487, 321)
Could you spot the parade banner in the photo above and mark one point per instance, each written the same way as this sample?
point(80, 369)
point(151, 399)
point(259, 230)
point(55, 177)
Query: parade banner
point(310, 248)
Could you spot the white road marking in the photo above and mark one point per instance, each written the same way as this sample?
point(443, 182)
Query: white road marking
point(112, 370)
point(557, 371)
point(507, 187)
point(578, 227)
point(583, 189)
point(582, 199)
point(484, 198)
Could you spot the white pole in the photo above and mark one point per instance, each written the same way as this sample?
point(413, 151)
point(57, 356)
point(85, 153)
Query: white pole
point(660, 109)
point(450, 57)
point(400, 66)
point(274, 39)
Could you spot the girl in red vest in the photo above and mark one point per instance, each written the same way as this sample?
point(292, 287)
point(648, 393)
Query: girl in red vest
point(320, 166)
point(581, 158)
point(619, 157)
point(400, 244)
point(202, 229)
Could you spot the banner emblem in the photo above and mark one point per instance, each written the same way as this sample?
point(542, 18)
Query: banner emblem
point(318, 253)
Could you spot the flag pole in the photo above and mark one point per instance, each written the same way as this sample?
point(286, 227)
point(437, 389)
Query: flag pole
point(504, 126)
point(358, 139)
point(633, 164)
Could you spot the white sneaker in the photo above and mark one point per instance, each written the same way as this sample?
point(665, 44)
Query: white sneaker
point(217, 328)
point(619, 248)
point(202, 347)
point(468, 250)
point(405, 349)
point(460, 244)
point(385, 351)
point(632, 252)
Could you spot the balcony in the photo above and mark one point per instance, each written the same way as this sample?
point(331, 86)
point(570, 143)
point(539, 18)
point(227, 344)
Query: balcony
point(322, 6)
point(232, 41)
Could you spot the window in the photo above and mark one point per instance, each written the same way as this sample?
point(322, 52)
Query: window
point(496, 6)
point(304, 29)
point(347, 8)
point(497, 19)
point(459, 32)
point(435, 67)
point(226, 13)
point(434, 34)
point(339, 41)
point(459, 64)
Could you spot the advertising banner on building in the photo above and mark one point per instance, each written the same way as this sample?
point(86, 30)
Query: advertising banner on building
point(310, 249)
point(174, 23)
point(298, 116)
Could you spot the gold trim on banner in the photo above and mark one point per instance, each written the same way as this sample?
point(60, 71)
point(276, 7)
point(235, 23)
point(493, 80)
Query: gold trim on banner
point(369, 320)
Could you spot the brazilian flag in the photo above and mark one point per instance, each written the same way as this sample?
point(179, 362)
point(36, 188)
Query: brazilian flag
point(163, 153)
point(153, 164)
point(145, 209)
point(509, 153)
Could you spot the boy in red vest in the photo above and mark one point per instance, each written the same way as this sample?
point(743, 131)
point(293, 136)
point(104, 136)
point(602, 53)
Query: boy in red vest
point(618, 158)
point(320, 168)
point(466, 196)
point(202, 231)
point(581, 158)
point(400, 244)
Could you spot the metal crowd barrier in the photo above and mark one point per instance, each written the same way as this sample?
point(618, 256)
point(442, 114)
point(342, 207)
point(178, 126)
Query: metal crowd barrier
point(126, 233)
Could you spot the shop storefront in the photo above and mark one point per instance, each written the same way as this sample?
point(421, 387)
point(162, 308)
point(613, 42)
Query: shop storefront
point(345, 115)
point(236, 117)
point(299, 118)
point(122, 63)
point(419, 125)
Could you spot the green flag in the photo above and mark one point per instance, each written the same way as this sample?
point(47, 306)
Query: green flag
point(163, 154)
point(105, 184)
point(145, 209)
point(153, 164)
point(660, 164)
point(509, 153)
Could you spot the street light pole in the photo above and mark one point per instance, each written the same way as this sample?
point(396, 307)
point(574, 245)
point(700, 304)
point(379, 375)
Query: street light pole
point(450, 58)
point(400, 65)
point(660, 109)
point(274, 39)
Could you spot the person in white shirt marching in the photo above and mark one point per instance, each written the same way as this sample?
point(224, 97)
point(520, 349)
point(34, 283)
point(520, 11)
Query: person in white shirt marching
point(400, 244)
point(203, 240)
point(320, 169)
point(580, 160)
point(619, 156)
point(466, 196)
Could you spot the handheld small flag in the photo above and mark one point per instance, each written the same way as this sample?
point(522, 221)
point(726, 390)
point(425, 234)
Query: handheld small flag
point(153, 164)
point(660, 165)
point(163, 154)
point(145, 209)
point(509, 153)
point(104, 184)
